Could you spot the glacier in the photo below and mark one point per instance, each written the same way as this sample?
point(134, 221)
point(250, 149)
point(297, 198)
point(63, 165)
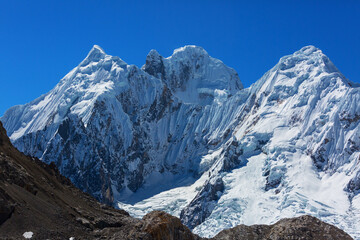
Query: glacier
point(182, 134)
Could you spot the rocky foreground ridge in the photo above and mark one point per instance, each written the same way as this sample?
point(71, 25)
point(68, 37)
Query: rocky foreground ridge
point(36, 198)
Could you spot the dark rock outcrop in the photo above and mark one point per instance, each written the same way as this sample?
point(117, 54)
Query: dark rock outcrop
point(196, 212)
point(304, 227)
point(161, 225)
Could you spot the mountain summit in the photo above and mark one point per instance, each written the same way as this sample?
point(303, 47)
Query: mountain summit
point(181, 134)
point(192, 75)
point(96, 53)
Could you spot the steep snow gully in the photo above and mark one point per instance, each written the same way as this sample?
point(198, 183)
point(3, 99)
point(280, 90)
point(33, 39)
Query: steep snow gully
point(181, 134)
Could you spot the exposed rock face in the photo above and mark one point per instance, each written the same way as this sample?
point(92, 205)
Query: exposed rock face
point(196, 211)
point(163, 226)
point(304, 227)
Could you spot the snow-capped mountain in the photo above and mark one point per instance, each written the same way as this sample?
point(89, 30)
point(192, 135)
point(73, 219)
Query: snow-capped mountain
point(182, 135)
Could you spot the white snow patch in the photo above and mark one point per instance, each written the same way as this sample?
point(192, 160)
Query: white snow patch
point(28, 235)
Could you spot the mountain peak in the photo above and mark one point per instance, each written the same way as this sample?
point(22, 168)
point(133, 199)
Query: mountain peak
point(153, 54)
point(96, 53)
point(154, 64)
point(308, 50)
point(307, 57)
point(192, 75)
point(188, 49)
point(97, 48)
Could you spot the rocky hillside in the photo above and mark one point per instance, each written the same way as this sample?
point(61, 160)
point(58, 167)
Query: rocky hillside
point(36, 198)
point(38, 202)
point(304, 227)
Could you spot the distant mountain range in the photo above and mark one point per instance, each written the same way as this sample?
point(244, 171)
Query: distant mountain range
point(181, 134)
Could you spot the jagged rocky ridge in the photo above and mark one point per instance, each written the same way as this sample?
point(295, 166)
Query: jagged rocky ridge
point(35, 198)
point(182, 135)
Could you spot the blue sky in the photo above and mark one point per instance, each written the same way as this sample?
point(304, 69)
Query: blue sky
point(41, 41)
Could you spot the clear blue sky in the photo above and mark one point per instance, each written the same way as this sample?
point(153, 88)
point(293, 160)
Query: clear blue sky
point(41, 41)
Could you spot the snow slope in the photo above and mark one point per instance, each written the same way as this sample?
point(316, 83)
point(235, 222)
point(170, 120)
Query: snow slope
point(182, 135)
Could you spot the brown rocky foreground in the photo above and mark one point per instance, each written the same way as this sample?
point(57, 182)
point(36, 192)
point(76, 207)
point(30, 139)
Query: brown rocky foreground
point(35, 197)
